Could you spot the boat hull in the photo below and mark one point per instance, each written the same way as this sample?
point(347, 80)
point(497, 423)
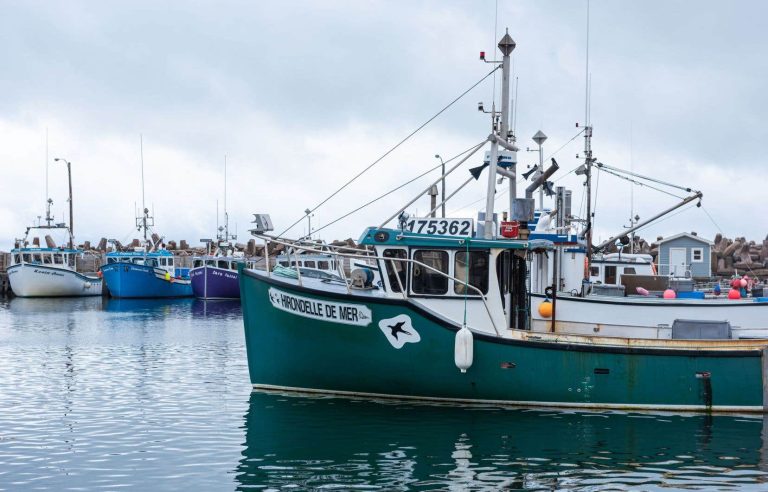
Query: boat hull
point(295, 350)
point(650, 318)
point(44, 281)
point(215, 283)
point(127, 280)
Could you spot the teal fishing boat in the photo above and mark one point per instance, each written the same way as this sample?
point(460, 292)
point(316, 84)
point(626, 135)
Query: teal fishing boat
point(450, 321)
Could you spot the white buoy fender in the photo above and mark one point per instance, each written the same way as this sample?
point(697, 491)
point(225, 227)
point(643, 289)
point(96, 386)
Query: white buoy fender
point(87, 285)
point(463, 349)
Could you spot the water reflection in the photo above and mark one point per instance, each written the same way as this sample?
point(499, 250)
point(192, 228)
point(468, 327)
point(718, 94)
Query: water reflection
point(308, 442)
point(65, 305)
point(226, 309)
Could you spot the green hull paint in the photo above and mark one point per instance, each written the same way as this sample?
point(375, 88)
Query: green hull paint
point(290, 351)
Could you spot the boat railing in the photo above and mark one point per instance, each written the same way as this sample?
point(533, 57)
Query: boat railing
point(370, 256)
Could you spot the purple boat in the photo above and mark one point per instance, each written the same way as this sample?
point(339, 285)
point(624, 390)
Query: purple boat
point(216, 277)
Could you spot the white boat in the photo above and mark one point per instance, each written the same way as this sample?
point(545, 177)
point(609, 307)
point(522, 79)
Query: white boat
point(621, 295)
point(50, 271)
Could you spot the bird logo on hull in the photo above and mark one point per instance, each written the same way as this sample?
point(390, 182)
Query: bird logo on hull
point(399, 330)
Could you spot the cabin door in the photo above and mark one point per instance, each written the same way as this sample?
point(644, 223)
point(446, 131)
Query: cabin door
point(677, 262)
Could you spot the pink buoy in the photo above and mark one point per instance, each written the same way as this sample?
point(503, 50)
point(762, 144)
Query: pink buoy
point(742, 283)
point(669, 294)
point(642, 291)
point(734, 294)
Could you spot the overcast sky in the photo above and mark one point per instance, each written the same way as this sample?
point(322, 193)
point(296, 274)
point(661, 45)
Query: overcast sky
point(301, 96)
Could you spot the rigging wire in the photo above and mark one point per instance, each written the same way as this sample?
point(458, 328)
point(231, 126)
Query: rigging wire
point(395, 189)
point(639, 183)
point(414, 132)
point(521, 180)
point(713, 220)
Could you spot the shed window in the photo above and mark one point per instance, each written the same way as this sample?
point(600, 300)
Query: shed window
point(629, 271)
point(428, 281)
point(610, 275)
point(594, 271)
point(697, 255)
point(395, 269)
point(476, 273)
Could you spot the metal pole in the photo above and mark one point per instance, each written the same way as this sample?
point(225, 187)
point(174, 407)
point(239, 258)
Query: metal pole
point(442, 170)
point(71, 216)
point(506, 45)
point(541, 170)
point(588, 162)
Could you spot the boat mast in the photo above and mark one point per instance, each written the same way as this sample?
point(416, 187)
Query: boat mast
point(506, 45)
point(226, 215)
point(48, 201)
point(143, 206)
point(144, 222)
point(588, 159)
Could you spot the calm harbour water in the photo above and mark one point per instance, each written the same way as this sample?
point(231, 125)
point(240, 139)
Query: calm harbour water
point(154, 395)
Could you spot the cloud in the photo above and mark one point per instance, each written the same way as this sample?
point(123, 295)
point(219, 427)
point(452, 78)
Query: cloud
point(301, 97)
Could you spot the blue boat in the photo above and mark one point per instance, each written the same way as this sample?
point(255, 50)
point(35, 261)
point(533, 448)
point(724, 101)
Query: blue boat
point(145, 274)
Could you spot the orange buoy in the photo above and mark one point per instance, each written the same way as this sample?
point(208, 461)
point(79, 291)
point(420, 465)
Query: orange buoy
point(545, 309)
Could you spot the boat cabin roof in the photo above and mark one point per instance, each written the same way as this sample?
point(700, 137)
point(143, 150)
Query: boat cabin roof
point(375, 236)
point(45, 250)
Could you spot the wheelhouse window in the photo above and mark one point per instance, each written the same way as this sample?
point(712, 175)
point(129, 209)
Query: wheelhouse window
point(474, 272)
point(284, 263)
point(395, 269)
point(57, 259)
point(323, 265)
point(197, 263)
point(309, 263)
point(17, 258)
point(428, 281)
point(223, 264)
point(47, 259)
point(27, 257)
point(36, 258)
point(610, 274)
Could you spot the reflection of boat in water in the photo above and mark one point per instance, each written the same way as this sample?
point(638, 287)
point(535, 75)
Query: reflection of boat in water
point(64, 305)
point(311, 442)
point(229, 308)
point(147, 306)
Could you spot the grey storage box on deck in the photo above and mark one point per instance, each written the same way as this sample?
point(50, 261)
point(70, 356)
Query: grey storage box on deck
point(608, 290)
point(681, 284)
point(694, 329)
